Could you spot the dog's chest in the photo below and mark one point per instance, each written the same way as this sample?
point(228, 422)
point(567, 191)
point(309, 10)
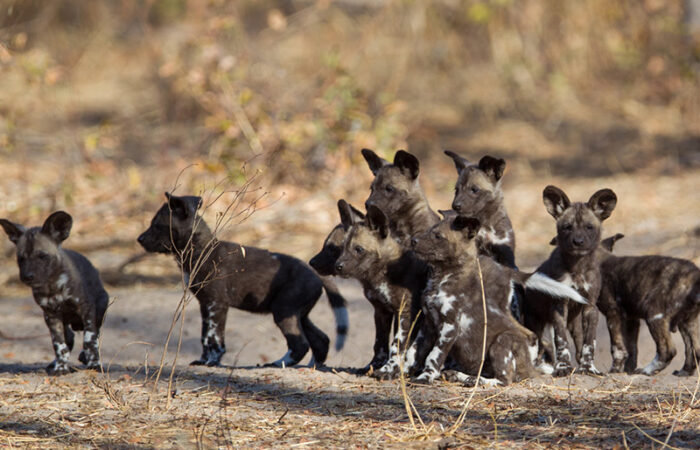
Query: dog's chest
point(380, 294)
point(59, 297)
point(493, 237)
point(586, 282)
point(441, 301)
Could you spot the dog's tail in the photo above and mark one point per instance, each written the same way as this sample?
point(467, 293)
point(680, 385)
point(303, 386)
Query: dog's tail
point(542, 283)
point(340, 311)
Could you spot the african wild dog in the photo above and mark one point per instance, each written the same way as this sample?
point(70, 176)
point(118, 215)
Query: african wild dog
point(478, 194)
point(224, 274)
point(453, 306)
point(66, 286)
point(397, 192)
point(393, 280)
point(662, 291)
point(324, 263)
point(573, 262)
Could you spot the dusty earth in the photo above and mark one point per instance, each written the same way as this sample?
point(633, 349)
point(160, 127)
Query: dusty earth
point(244, 405)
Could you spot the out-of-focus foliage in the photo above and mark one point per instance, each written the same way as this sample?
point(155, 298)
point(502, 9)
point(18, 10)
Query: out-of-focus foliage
point(302, 85)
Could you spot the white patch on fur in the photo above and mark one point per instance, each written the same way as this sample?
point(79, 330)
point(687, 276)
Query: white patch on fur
point(653, 366)
point(384, 290)
point(490, 235)
point(341, 321)
point(657, 317)
point(43, 301)
point(444, 331)
point(284, 361)
point(545, 368)
point(617, 353)
point(533, 351)
point(445, 301)
point(62, 281)
point(410, 358)
point(88, 336)
point(542, 283)
point(587, 350)
point(465, 322)
point(565, 354)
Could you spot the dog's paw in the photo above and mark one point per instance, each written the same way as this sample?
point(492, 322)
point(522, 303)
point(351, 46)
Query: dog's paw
point(562, 370)
point(590, 370)
point(385, 373)
point(82, 358)
point(684, 372)
point(617, 368)
point(424, 378)
point(58, 368)
point(94, 365)
point(198, 362)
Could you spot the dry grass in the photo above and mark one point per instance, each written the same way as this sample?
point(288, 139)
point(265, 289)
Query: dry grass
point(302, 407)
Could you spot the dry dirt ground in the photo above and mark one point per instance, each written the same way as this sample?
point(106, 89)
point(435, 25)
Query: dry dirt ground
point(244, 405)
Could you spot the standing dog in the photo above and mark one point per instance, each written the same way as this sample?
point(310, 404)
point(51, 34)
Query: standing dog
point(574, 262)
point(662, 291)
point(225, 274)
point(393, 280)
point(65, 285)
point(453, 306)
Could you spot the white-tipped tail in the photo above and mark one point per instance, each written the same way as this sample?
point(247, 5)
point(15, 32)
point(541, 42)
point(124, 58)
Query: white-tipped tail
point(542, 283)
point(342, 322)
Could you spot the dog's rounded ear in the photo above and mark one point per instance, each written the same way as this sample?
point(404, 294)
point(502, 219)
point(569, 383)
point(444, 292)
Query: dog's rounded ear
point(185, 206)
point(602, 203)
point(555, 200)
point(57, 226)
point(374, 161)
point(14, 231)
point(460, 163)
point(493, 167)
point(407, 163)
point(469, 224)
point(346, 214)
point(377, 221)
point(609, 242)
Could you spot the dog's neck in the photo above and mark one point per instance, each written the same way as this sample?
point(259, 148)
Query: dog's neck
point(198, 249)
point(417, 218)
point(577, 263)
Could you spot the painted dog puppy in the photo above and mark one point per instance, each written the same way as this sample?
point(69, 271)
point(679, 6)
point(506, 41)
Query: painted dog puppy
point(393, 280)
point(574, 262)
point(225, 274)
point(662, 291)
point(324, 263)
point(396, 191)
point(66, 286)
point(478, 194)
point(453, 306)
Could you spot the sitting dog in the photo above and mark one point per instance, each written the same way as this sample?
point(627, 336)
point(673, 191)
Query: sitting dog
point(453, 307)
point(65, 285)
point(662, 291)
point(225, 274)
point(574, 262)
point(393, 279)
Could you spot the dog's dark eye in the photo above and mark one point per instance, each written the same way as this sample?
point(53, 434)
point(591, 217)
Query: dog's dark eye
point(567, 227)
point(475, 189)
point(42, 255)
point(389, 188)
point(359, 250)
point(439, 236)
point(589, 227)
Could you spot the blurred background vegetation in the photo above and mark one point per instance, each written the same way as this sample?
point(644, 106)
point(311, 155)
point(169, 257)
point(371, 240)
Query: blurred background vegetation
point(103, 103)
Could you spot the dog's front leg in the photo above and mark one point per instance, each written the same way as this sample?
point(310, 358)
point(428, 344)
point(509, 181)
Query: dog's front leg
point(58, 366)
point(590, 327)
point(213, 326)
point(617, 342)
point(436, 357)
point(90, 356)
point(391, 368)
point(563, 366)
point(631, 335)
point(382, 330)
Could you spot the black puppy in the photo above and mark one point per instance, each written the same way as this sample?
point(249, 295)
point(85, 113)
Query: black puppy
point(64, 284)
point(226, 275)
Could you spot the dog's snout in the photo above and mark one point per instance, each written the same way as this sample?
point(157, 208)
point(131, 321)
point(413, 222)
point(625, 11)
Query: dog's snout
point(414, 242)
point(339, 266)
point(457, 207)
point(578, 241)
point(27, 276)
point(141, 239)
point(313, 262)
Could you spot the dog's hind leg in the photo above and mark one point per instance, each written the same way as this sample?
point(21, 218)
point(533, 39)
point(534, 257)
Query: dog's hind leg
point(317, 340)
point(630, 337)
point(689, 332)
point(69, 336)
point(290, 325)
point(659, 329)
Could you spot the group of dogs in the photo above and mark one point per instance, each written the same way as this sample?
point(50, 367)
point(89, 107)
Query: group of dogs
point(447, 286)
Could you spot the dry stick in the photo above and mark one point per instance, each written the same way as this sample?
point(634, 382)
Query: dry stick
point(463, 414)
